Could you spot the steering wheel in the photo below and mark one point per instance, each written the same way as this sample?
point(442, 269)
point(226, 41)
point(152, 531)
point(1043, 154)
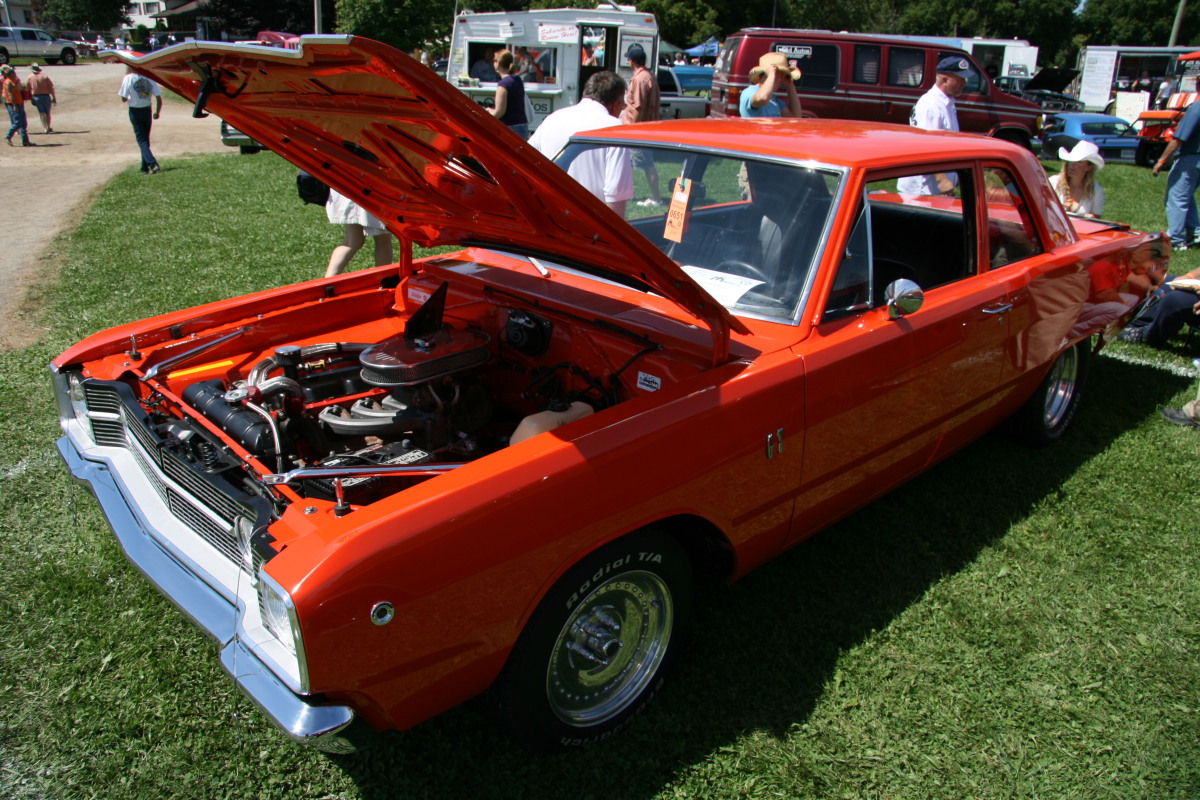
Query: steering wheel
point(745, 269)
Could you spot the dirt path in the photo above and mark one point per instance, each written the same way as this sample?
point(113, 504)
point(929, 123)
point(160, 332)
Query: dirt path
point(46, 188)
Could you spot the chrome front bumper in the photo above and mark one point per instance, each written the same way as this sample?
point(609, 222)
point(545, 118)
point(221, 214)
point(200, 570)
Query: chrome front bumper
point(303, 721)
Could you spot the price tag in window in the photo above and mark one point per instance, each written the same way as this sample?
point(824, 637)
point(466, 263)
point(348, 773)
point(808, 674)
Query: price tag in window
point(678, 212)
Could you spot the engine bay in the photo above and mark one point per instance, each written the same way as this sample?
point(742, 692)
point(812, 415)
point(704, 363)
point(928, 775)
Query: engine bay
point(441, 394)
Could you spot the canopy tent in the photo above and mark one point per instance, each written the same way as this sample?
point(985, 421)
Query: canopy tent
point(708, 48)
point(667, 49)
point(1192, 56)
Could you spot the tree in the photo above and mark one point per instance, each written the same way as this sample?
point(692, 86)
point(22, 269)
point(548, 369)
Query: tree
point(244, 18)
point(1136, 22)
point(404, 24)
point(94, 15)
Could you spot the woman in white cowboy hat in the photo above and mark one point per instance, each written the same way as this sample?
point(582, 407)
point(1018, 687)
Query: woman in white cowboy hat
point(1076, 184)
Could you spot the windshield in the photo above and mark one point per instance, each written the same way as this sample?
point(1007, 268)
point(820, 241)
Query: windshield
point(748, 231)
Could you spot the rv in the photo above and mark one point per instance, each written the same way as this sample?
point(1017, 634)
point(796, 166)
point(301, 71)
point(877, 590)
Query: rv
point(556, 50)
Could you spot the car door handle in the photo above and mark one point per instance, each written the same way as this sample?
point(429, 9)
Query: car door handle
point(998, 308)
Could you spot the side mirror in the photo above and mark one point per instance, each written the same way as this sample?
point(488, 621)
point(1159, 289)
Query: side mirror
point(903, 297)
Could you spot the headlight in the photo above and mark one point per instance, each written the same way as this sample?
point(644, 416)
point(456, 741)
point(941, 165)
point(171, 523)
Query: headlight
point(278, 612)
point(76, 393)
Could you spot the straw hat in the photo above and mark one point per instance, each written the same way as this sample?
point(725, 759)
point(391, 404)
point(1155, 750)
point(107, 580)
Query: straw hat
point(768, 60)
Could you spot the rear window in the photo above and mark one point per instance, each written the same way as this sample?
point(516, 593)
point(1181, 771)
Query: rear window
point(818, 63)
point(725, 58)
point(4, 34)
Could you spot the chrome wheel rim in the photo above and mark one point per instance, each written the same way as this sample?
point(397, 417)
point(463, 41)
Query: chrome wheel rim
point(610, 648)
point(1061, 388)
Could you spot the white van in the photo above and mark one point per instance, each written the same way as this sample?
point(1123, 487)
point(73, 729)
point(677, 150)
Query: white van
point(557, 50)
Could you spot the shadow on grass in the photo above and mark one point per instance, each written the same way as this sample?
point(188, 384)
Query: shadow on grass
point(766, 647)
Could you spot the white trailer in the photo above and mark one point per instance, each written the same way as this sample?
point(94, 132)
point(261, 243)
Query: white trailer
point(557, 50)
point(1105, 69)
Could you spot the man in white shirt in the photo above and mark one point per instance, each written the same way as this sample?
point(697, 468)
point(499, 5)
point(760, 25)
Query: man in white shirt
point(935, 111)
point(605, 172)
point(138, 93)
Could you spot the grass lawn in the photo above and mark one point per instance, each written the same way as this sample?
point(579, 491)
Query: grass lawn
point(1013, 624)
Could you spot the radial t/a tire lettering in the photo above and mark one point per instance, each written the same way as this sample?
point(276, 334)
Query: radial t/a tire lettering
point(596, 650)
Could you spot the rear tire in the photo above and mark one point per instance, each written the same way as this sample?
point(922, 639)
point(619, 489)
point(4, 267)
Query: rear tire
point(1045, 418)
point(598, 646)
point(69, 57)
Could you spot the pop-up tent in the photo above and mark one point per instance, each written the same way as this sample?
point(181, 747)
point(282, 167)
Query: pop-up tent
point(709, 48)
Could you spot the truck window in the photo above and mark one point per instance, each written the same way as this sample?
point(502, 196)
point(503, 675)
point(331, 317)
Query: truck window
point(906, 66)
point(818, 63)
point(866, 63)
point(29, 35)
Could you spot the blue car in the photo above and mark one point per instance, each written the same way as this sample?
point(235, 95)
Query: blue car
point(1114, 136)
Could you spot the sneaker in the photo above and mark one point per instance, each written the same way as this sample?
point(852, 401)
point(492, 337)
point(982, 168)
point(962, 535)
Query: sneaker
point(1177, 417)
point(154, 170)
point(9, 140)
point(1132, 334)
point(651, 202)
point(28, 143)
point(1181, 246)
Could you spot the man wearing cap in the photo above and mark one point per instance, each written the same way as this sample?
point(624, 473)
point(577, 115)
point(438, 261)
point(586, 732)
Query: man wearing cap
point(41, 91)
point(642, 104)
point(935, 111)
point(1183, 180)
point(14, 101)
point(772, 73)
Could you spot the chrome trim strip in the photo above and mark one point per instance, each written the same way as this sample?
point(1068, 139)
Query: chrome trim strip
point(205, 606)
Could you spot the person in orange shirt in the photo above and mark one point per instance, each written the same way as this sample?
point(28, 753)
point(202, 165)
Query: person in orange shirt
point(14, 101)
point(41, 92)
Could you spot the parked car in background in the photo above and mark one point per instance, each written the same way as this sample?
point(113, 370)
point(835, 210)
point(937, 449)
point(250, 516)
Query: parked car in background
point(870, 77)
point(512, 465)
point(232, 137)
point(674, 103)
point(18, 42)
point(693, 77)
point(1117, 140)
point(1045, 88)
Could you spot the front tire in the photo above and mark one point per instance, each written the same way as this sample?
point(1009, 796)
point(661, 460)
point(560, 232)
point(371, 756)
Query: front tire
point(1045, 418)
point(248, 149)
point(598, 646)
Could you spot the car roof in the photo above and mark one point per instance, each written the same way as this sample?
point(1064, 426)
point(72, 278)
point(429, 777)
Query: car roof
point(848, 143)
point(1085, 116)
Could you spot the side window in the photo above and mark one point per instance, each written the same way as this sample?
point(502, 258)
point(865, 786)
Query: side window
point(906, 66)
point(818, 64)
point(926, 238)
point(866, 63)
point(975, 82)
point(1012, 236)
point(29, 36)
point(4, 34)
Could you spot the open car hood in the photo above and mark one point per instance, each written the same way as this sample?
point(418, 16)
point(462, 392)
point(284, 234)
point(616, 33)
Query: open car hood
point(434, 166)
point(1052, 79)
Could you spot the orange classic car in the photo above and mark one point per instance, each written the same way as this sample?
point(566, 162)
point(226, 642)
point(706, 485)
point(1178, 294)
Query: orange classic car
point(503, 470)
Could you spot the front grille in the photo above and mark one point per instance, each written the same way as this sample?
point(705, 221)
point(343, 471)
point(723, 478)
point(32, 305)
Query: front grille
point(205, 505)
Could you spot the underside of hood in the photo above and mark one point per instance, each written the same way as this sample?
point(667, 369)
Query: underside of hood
point(435, 167)
point(1052, 79)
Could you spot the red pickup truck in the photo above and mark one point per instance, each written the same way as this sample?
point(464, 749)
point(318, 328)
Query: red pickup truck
point(509, 467)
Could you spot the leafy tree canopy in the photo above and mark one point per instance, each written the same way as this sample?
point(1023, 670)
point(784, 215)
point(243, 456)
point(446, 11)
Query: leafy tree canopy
point(89, 15)
point(244, 18)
